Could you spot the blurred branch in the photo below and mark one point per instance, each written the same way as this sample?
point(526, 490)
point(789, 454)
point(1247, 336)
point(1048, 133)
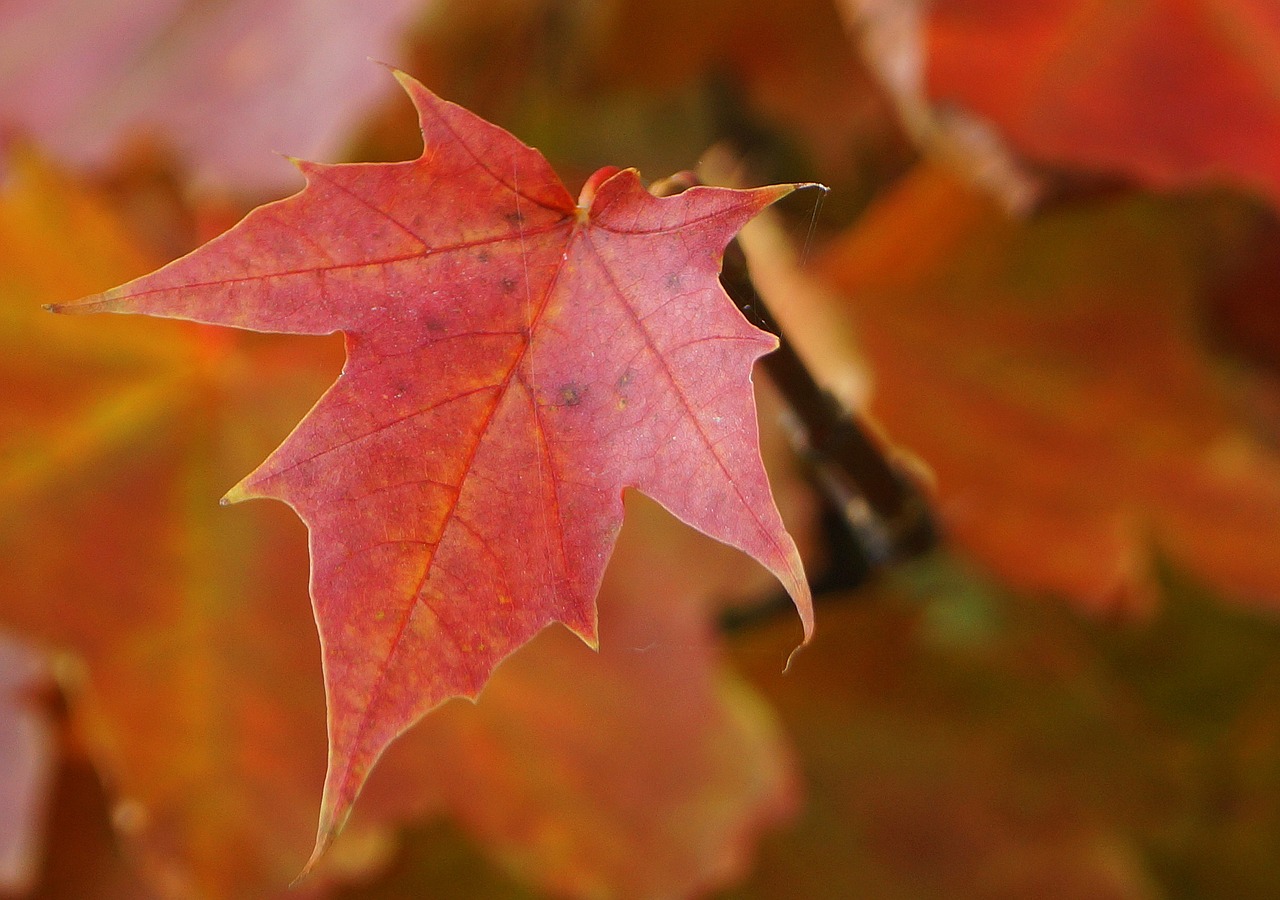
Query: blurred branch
point(884, 514)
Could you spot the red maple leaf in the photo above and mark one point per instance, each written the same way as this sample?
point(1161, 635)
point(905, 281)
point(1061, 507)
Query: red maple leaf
point(514, 360)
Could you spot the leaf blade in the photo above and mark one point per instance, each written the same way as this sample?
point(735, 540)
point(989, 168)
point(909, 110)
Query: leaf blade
point(462, 480)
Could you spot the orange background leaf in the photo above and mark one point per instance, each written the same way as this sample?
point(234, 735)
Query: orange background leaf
point(1050, 374)
point(1170, 92)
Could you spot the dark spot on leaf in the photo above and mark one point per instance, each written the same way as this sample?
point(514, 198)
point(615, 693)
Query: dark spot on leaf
point(672, 280)
point(620, 388)
point(508, 284)
point(571, 393)
point(483, 256)
point(515, 217)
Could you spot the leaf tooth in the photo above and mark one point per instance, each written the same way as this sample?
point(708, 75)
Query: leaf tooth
point(238, 493)
point(105, 302)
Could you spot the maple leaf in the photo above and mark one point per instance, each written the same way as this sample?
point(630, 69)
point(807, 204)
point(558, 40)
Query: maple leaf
point(514, 361)
point(185, 646)
point(1171, 92)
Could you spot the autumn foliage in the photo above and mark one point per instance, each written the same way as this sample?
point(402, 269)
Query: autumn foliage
point(1045, 281)
point(513, 362)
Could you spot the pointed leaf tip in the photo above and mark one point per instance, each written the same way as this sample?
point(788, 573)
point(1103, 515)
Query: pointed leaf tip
point(333, 819)
point(818, 186)
point(321, 847)
point(237, 494)
point(791, 657)
point(83, 306)
point(411, 85)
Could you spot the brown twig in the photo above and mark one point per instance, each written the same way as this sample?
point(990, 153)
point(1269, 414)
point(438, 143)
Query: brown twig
point(887, 515)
